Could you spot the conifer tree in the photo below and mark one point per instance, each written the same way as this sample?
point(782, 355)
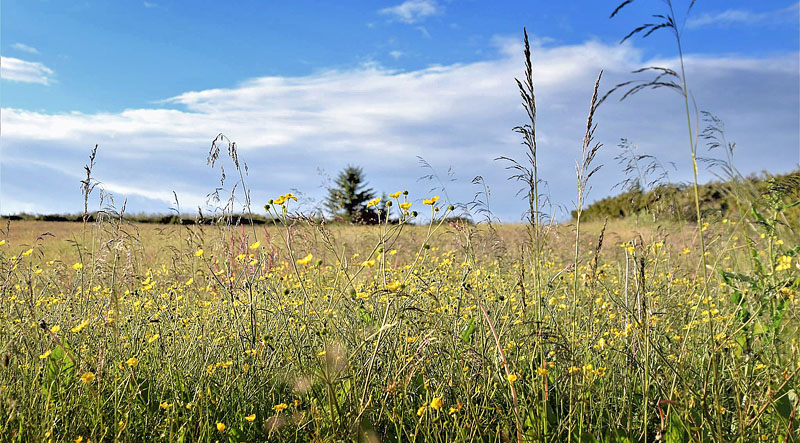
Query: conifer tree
point(347, 199)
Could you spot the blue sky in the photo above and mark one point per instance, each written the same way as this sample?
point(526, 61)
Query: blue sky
point(305, 88)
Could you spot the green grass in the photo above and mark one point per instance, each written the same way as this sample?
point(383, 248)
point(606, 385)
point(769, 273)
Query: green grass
point(363, 350)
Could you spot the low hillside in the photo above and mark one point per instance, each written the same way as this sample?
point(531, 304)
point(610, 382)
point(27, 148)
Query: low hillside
point(717, 199)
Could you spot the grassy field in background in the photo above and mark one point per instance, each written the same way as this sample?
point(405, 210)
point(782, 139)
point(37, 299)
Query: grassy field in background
point(60, 239)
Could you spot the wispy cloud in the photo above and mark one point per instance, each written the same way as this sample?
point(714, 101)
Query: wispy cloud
point(150, 4)
point(16, 70)
point(455, 116)
point(412, 11)
point(396, 54)
point(745, 17)
point(25, 48)
point(424, 31)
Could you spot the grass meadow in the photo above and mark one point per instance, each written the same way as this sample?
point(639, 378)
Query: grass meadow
point(114, 331)
point(422, 327)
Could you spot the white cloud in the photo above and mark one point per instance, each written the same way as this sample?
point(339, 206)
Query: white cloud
point(412, 11)
point(150, 4)
point(744, 17)
point(396, 54)
point(457, 116)
point(25, 48)
point(14, 69)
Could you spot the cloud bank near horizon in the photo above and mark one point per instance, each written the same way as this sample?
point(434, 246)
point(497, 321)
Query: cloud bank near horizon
point(295, 132)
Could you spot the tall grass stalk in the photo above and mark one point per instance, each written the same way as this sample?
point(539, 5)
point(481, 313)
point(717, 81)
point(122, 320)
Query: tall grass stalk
point(669, 21)
point(529, 175)
point(583, 171)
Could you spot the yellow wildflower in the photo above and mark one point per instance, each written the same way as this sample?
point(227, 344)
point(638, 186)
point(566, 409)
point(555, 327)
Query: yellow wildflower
point(27, 253)
point(280, 407)
point(220, 426)
point(80, 326)
point(421, 411)
point(431, 201)
point(45, 355)
point(282, 199)
point(255, 245)
point(199, 253)
point(77, 266)
point(87, 377)
point(511, 378)
point(251, 417)
point(405, 206)
point(306, 260)
point(133, 362)
point(373, 202)
point(437, 403)
point(394, 195)
point(784, 263)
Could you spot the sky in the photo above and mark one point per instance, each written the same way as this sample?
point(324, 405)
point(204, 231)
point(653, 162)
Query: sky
point(306, 88)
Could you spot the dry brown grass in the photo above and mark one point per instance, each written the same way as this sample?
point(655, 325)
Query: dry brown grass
point(58, 239)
